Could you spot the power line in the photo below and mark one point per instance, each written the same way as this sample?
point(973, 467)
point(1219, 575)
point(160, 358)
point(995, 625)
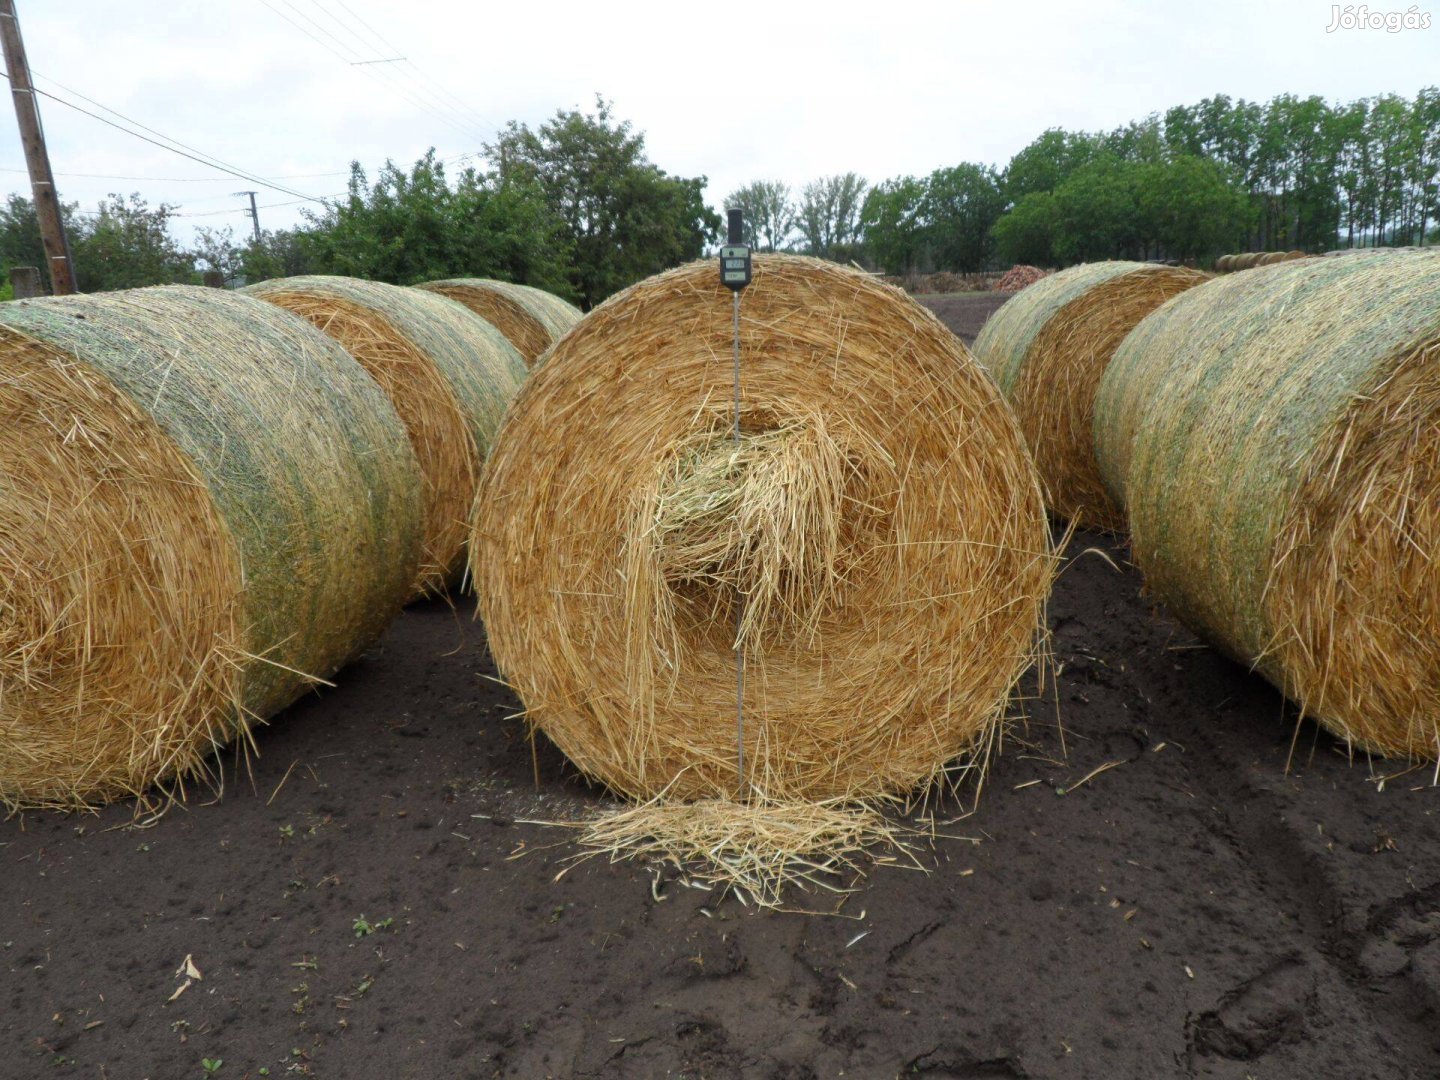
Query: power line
point(462, 114)
point(386, 44)
point(184, 179)
point(262, 206)
point(209, 160)
point(225, 179)
point(348, 56)
point(155, 142)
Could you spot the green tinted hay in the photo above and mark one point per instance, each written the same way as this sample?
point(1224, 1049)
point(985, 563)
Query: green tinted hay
point(205, 506)
point(1048, 348)
point(531, 318)
point(449, 374)
point(1275, 439)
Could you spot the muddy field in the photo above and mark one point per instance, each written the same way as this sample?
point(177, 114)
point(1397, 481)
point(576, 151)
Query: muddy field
point(1153, 895)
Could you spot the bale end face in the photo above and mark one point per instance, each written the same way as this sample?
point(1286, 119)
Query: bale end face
point(876, 544)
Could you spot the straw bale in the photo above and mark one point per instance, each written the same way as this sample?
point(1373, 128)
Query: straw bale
point(205, 508)
point(532, 319)
point(876, 545)
point(449, 374)
point(1275, 440)
point(1048, 349)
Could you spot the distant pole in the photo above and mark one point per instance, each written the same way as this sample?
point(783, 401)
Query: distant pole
point(253, 212)
point(25, 282)
point(32, 138)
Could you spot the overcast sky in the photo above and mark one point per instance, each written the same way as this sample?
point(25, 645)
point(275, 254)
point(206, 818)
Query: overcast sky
point(778, 89)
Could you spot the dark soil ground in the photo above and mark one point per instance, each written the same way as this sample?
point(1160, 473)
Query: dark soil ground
point(1194, 910)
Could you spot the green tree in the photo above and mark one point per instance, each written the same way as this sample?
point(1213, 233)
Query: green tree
point(829, 217)
point(1026, 234)
point(961, 206)
point(126, 245)
point(1047, 162)
point(1097, 212)
point(769, 213)
point(278, 253)
point(893, 225)
point(625, 218)
point(1189, 208)
point(1425, 175)
point(20, 243)
point(415, 225)
point(215, 249)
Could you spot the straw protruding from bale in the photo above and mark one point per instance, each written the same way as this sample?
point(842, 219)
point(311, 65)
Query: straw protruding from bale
point(205, 508)
point(449, 374)
point(876, 542)
point(1275, 439)
point(1048, 349)
point(532, 319)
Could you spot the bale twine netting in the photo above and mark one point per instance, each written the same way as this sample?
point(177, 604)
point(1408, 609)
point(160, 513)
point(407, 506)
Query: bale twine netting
point(531, 319)
point(1047, 350)
point(1275, 439)
point(205, 507)
point(449, 374)
point(876, 544)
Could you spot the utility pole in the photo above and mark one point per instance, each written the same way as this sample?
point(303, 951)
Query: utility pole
point(37, 158)
point(253, 212)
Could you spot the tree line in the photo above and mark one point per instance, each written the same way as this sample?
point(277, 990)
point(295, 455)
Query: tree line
point(1200, 180)
point(574, 206)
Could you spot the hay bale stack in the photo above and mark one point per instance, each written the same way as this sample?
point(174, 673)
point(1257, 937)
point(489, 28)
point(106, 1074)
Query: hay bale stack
point(879, 535)
point(1275, 439)
point(1048, 349)
point(205, 506)
point(449, 374)
point(532, 319)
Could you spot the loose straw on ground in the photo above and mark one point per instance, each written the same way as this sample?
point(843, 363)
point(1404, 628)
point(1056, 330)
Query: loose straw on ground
point(1275, 439)
point(532, 319)
point(881, 521)
point(205, 508)
point(449, 374)
point(1048, 348)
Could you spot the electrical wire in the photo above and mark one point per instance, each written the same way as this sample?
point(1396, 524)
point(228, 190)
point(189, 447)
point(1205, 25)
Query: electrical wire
point(181, 179)
point(213, 163)
point(349, 58)
point(383, 46)
point(208, 159)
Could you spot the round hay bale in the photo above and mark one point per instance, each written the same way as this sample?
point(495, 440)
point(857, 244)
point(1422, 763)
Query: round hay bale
point(1047, 350)
point(879, 534)
point(1281, 474)
point(1224, 264)
point(532, 319)
point(205, 507)
point(1247, 260)
point(1270, 258)
point(449, 374)
point(1292, 256)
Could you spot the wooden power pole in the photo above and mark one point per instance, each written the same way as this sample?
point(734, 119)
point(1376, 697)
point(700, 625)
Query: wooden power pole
point(32, 138)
